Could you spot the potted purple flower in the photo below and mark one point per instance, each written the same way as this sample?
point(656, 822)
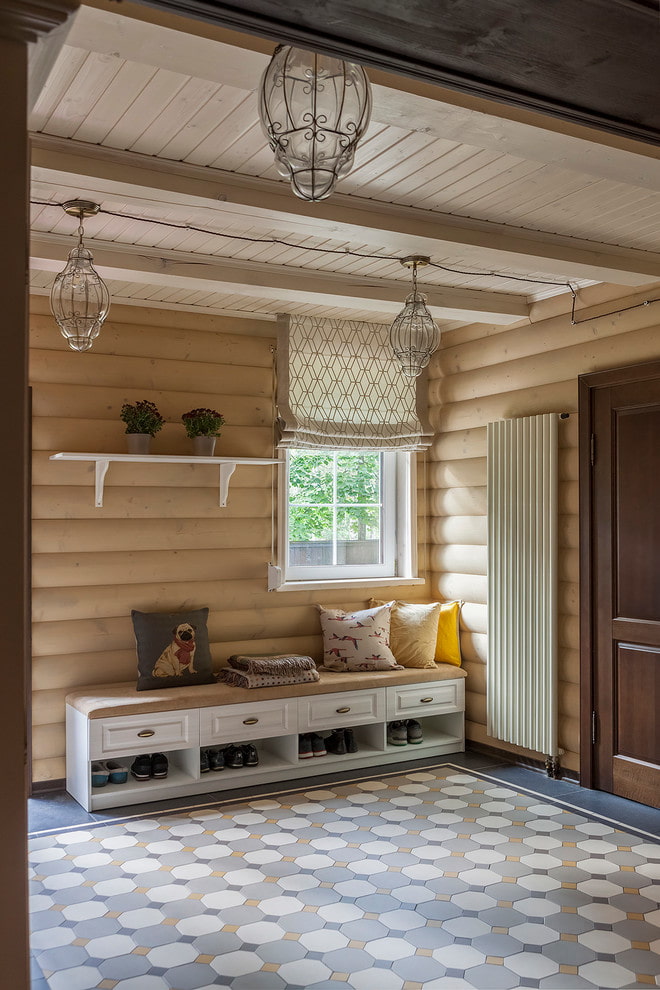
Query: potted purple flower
point(143, 421)
point(203, 428)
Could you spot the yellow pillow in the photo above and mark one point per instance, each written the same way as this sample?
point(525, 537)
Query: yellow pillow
point(448, 645)
point(414, 633)
point(409, 632)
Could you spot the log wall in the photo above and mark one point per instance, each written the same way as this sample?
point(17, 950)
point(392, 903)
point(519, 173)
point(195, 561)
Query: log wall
point(160, 542)
point(482, 374)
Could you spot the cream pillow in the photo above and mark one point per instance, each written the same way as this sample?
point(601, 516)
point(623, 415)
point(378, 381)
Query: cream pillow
point(409, 634)
point(414, 632)
point(357, 640)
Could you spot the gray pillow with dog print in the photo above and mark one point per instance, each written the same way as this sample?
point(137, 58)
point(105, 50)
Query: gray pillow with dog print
point(172, 649)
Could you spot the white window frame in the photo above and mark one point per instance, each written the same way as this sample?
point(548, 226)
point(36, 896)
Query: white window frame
point(399, 535)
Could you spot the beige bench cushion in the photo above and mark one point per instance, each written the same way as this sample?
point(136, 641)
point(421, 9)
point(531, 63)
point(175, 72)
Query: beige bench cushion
point(107, 700)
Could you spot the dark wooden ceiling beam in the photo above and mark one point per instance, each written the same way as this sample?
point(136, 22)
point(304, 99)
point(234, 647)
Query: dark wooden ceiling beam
point(592, 62)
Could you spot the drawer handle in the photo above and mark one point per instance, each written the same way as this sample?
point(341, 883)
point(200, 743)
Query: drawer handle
point(342, 711)
point(145, 733)
point(250, 721)
point(425, 701)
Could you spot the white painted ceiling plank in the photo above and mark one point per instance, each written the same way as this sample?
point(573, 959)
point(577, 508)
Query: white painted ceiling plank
point(122, 91)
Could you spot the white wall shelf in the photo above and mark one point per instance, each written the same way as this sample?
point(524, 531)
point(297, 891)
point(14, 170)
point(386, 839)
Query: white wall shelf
point(227, 466)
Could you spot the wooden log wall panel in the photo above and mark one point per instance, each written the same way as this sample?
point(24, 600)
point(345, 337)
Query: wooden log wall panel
point(151, 373)
point(160, 542)
point(88, 402)
point(480, 375)
point(93, 535)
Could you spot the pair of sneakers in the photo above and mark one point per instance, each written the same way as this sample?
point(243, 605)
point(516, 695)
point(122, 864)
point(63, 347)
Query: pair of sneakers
point(148, 765)
point(211, 759)
point(241, 756)
point(310, 744)
point(108, 771)
point(403, 732)
point(341, 741)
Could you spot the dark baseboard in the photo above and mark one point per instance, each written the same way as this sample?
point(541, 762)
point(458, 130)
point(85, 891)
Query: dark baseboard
point(43, 786)
point(519, 761)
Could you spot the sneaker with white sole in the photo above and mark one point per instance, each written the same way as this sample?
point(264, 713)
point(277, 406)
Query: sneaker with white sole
point(305, 746)
point(397, 734)
point(414, 732)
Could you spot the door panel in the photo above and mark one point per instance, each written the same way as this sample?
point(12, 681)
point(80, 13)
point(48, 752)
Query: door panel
point(624, 588)
point(638, 694)
point(638, 519)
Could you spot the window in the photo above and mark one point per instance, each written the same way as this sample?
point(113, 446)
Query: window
point(346, 515)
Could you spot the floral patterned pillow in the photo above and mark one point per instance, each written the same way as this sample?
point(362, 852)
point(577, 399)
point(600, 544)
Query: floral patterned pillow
point(357, 640)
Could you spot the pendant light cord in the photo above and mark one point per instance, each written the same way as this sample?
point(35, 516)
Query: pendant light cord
point(282, 242)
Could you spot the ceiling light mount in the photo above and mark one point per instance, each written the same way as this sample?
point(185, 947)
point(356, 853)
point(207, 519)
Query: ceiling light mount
point(414, 335)
point(80, 208)
point(415, 261)
point(79, 298)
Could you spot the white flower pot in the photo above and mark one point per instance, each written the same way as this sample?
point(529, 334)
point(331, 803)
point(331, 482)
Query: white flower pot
point(138, 443)
point(204, 446)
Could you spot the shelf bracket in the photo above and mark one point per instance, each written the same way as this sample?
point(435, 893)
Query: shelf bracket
point(100, 472)
point(226, 471)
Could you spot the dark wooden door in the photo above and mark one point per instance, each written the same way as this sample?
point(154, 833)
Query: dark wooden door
point(623, 534)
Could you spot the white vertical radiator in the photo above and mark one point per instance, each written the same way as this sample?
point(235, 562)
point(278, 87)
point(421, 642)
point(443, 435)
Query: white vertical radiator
point(522, 583)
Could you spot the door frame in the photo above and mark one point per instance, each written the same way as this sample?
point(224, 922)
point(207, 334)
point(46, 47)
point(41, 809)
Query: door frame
point(588, 385)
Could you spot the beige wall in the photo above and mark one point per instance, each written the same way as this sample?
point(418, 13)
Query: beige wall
point(160, 541)
point(482, 374)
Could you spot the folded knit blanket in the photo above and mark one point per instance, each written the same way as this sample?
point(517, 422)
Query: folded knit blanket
point(240, 678)
point(271, 663)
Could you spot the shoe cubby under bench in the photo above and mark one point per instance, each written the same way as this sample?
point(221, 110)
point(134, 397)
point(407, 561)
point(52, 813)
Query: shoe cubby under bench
point(117, 722)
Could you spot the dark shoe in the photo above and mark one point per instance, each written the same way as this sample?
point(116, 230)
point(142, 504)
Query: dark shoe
point(233, 757)
point(414, 732)
point(216, 760)
point(204, 761)
point(250, 756)
point(397, 734)
point(305, 746)
point(141, 767)
point(349, 737)
point(336, 743)
point(159, 765)
point(317, 744)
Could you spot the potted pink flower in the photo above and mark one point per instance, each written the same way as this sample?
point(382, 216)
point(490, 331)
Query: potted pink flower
point(203, 428)
point(143, 421)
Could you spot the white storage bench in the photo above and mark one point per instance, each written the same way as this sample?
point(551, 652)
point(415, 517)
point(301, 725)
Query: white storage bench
point(117, 722)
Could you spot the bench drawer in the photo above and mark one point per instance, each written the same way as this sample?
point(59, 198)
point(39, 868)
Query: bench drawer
point(143, 733)
point(240, 722)
point(329, 711)
point(432, 698)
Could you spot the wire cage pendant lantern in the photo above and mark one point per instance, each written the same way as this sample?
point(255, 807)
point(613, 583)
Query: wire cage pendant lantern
point(414, 335)
point(313, 109)
point(79, 298)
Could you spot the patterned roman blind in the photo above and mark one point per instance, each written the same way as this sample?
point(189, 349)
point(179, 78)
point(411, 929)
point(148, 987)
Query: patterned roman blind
point(340, 386)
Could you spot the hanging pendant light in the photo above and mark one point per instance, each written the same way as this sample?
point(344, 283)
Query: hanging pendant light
point(314, 109)
point(79, 298)
point(414, 335)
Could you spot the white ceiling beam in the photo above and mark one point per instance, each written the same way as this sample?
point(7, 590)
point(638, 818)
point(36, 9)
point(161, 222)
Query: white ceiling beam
point(276, 282)
point(239, 60)
point(101, 172)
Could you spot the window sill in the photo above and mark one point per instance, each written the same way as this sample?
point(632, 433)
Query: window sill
point(386, 582)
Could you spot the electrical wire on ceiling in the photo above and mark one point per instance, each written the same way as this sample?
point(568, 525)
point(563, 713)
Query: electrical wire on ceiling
point(282, 242)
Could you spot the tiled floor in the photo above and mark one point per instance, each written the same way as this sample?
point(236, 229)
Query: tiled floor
point(436, 878)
